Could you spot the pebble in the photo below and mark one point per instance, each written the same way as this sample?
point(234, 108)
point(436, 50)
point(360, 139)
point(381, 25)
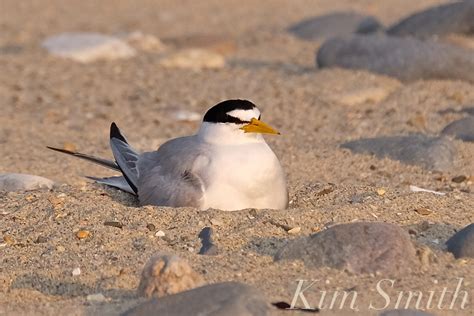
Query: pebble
point(334, 24)
point(294, 231)
point(113, 224)
point(96, 298)
point(360, 247)
point(407, 59)
point(428, 152)
point(87, 47)
point(461, 244)
point(150, 227)
point(193, 58)
point(459, 179)
point(208, 247)
point(145, 42)
point(451, 18)
point(82, 234)
point(228, 298)
point(60, 248)
point(462, 129)
point(160, 233)
point(166, 274)
point(23, 182)
point(423, 211)
point(76, 272)
point(41, 239)
point(216, 222)
point(216, 43)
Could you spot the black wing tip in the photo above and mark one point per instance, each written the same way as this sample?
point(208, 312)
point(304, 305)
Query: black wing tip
point(115, 132)
point(61, 150)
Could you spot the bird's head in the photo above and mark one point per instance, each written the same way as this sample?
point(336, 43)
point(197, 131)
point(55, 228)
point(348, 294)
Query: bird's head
point(234, 121)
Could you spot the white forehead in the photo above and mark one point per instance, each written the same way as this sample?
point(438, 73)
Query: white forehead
point(245, 115)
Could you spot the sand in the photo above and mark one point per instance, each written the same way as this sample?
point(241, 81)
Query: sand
point(53, 101)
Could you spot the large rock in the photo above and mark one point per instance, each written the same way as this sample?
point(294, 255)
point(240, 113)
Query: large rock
point(334, 24)
point(23, 182)
point(428, 152)
point(88, 47)
point(221, 299)
point(166, 274)
point(461, 244)
point(404, 58)
point(356, 247)
point(451, 18)
point(462, 129)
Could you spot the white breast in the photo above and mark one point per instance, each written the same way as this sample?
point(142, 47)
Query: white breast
point(244, 176)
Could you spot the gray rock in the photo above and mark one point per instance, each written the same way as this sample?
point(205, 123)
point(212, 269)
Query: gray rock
point(356, 247)
point(23, 182)
point(208, 246)
point(221, 299)
point(451, 18)
point(461, 244)
point(334, 24)
point(405, 312)
point(407, 58)
point(462, 129)
point(428, 152)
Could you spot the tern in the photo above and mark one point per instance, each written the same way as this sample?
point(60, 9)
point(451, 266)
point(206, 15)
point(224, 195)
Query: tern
point(226, 165)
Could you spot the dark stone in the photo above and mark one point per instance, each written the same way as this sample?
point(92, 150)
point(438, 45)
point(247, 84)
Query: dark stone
point(221, 299)
point(334, 24)
point(405, 312)
point(407, 58)
point(461, 244)
point(461, 129)
point(208, 246)
point(363, 247)
point(429, 152)
point(451, 18)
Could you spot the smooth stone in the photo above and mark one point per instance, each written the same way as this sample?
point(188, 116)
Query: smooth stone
point(407, 58)
point(334, 24)
point(405, 312)
point(166, 274)
point(429, 152)
point(88, 47)
point(461, 244)
point(194, 58)
point(208, 247)
point(451, 18)
point(361, 247)
point(221, 299)
point(23, 182)
point(461, 129)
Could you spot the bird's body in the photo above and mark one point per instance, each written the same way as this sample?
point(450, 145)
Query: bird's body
point(227, 165)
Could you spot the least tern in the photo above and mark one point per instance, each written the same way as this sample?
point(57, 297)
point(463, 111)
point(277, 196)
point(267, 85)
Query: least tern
point(226, 165)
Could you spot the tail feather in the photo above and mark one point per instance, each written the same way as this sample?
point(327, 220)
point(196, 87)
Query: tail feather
point(100, 161)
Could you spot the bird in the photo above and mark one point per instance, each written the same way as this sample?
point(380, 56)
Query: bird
point(226, 164)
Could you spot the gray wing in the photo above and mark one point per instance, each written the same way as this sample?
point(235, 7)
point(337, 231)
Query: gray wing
point(169, 177)
point(118, 182)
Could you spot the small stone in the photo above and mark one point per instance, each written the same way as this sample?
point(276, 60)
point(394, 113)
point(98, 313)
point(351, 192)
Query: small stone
point(361, 247)
point(88, 47)
point(60, 248)
point(8, 239)
point(429, 152)
point(229, 298)
point(294, 231)
point(459, 179)
point(381, 192)
point(145, 42)
point(41, 239)
point(334, 24)
point(76, 272)
point(407, 59)
point(23, 182)
point(160, 233)
point(220, 44)
point(194, 59)
point(441, 20)
point(96, 298)
point(70, 146)
point(150, 227)
point(423, 211)
point(462, 129)
point(461, 244)
point(208, 246)
point(82, 234)
point(113, 224)
point(166, 274)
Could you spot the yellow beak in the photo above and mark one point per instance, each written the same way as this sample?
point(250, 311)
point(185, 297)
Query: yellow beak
point(256, 126)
